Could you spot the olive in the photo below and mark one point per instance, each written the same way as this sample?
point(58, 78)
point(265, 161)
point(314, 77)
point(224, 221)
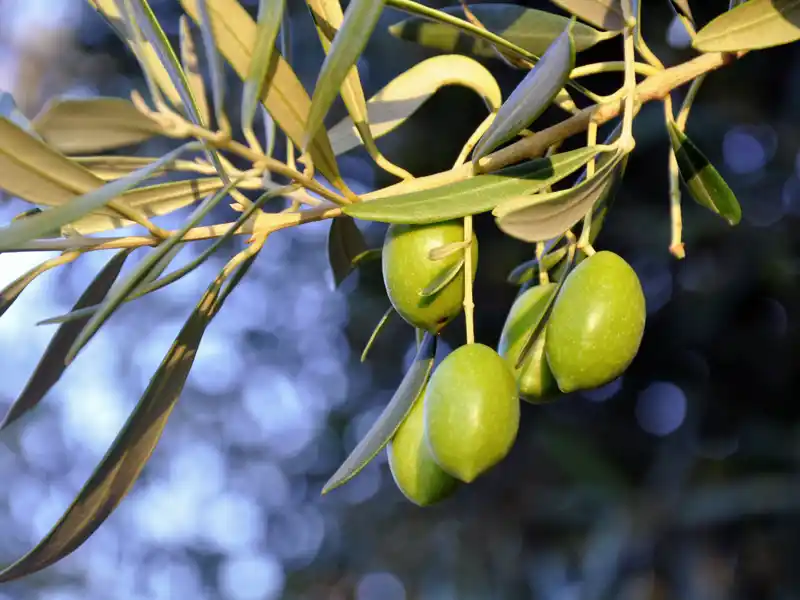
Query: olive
point(597, 323)
point(471, 411)
point(415, 472)
point(408, 270)
point(534, 379)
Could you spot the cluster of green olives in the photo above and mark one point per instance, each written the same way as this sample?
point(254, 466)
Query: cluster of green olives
point(466, 419)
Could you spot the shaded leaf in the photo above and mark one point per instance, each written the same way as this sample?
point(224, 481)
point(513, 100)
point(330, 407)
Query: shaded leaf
point(444, 277)
point(286, 99)
point(531, 29)
point(9, 110)
point(526, 271)
point(12, 291)
point(81, 126)
point(375, 332)
point(474, 195)
point(54, 218)
point(107, 167)
point(402, 96)
point(683, 7)
point(540, 217)
point(391, 418)
point(752, 25)
point(367, 256)
point(51, 366)
point(580, 458)
point(191, 68)
point(605, 14)
point(345, 243)
point(133, 446)
point(360, 19)
point(216, 71)
point(704, 182)
point(270, 16)
point(532, 96)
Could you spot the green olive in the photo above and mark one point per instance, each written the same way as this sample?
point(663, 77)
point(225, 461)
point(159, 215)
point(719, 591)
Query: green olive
point(534, 379)
point(597, 323)
point(408, 270)
point(471, 411)
point(414, 471)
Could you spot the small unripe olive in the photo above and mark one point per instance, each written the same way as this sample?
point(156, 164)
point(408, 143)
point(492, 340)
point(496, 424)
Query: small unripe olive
point(414, 471)
point(471, 411)
point(534, 379)
point(597, 323)
point(408, 270)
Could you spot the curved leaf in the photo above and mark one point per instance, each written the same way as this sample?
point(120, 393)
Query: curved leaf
point(605, 14)
point(391, 418)
point(444, 277)
point(345, 243)
point(360, 19)
point(752, 25)
point(216, 71)
point(682, 6)
point(270, 16)
point(375, 332)
point(10, 293)
point(474, 195)
point(191, 68)
point(531, 29)
point(402, 96)
point(532, 96)
point(704, 182)
point(51, 366)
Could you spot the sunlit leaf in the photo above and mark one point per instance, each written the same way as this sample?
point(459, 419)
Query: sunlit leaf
point(531, 29)
point(474, 195)
point(286, 99)
point(10, 111)
point(752, 25)
point(133, 446)
point(402, 96)
point(54, 218)
point(376, 331)
point(345, 243)
point(444, 277)
point(704, 182)
point(391, 418)
point(108, 167)
point(191, 68)
point(360, 19)
point(51, 366)
point(442, 252)
point(270, 16)
point(539, 217)
point(605, 14)
point(10, 293)
point(683, 7)
point(532, 96)
point(214, 61)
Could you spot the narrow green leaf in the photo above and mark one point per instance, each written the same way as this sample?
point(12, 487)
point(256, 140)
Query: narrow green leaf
point(542, 216)
point(531, 29)
point(88, 125)
point(133, 446)
point(375, 332)
point(118, 295)
point(391, 418)
point(360, 19)
point(442, 252)
point(51, 366)
point(526, 271)
point(444, 277)
point(12, 291)
point(270, 16)
point(532, 96)
point(683, 7)
point(191, 67)
point(474, 195)
point(345, 243)
point(367, 256)
point(704, 182)
point(54, 218)
point(214, 61)
point(605, 14)
point(752, 25)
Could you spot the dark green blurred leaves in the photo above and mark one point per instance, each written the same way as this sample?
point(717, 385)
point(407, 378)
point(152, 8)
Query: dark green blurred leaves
point(345, 244)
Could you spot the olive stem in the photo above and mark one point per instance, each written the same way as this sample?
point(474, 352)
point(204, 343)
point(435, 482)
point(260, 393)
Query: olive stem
point(544, 277)
point(469, 305)
point(676, 247)
point(586, 231)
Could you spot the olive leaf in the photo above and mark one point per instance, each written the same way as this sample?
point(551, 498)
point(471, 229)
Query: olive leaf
point(191, 68)
point(444, 277)
point(539, 217)
point(286, 100)
point(532, 96)
point(391, 418)
point(442, 252)
point(474, 195)
point(375, 332)
point(345, 243)
point(752, 25)
point(683, 7)
point(51, 365)
point(605, 14)
point(360, 18)
point(527, 270)
point(270, 16)
point(128, 454)
point(10, 111)
point(530, 29)
point(107, 167)
point(402, 96)
point(10, 293)
point(54, 218)
point(704, 182)
point(80, 126)
point(216, 71)
point(367, 256)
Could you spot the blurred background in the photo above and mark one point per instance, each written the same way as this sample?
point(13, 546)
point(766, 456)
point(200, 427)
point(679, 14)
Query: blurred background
point(680, 480)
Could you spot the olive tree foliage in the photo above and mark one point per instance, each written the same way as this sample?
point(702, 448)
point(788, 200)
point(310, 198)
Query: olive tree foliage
point(555, 200)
